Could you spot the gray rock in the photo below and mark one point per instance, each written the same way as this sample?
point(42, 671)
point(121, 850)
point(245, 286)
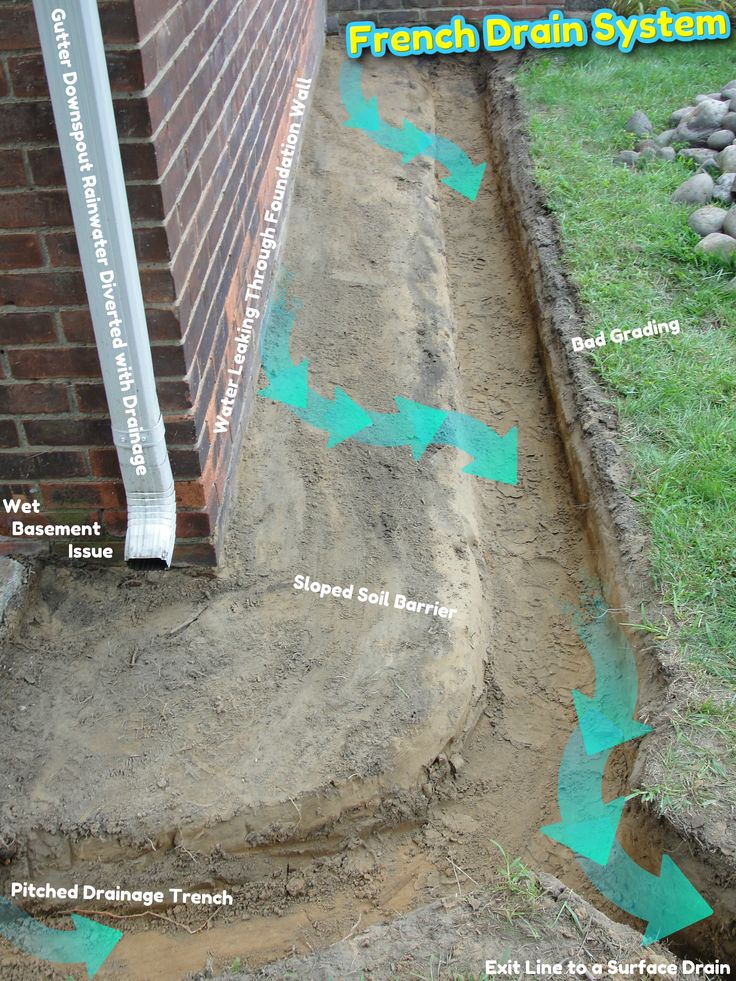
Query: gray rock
point(647, 145)
point(709, 167)
point(732, 104)
point(697, 154)
point(729, 224)
point(724, 187)
point(729, 121)
point(717, 244)
point(11, 586)
point(706, 220)
point(639, 123)
point(629, 158)
point(727, 160)
point(695, 190)
point(704, 98)
point(720, 139)
point(679, 114)
point(729, 90)
point(665, 138)
point(666, 153)
point(698, 126)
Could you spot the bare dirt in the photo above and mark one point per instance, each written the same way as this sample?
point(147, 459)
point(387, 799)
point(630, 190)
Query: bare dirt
point(332, 765)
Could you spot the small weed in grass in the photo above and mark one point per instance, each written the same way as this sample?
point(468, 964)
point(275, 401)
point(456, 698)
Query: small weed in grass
point(631, 252)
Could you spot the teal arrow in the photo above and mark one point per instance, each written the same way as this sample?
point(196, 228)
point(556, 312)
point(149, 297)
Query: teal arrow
point(289, 385)
point(667, 902)
point(89, 943)
point(345, 418)
point(464, 176)
point(425, 422)
point(599, 731)
point(415, 425)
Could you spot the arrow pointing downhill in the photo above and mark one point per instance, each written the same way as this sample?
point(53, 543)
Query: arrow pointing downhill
point(90, 943)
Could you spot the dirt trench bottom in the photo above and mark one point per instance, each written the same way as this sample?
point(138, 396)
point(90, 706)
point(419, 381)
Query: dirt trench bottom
point(406, 288)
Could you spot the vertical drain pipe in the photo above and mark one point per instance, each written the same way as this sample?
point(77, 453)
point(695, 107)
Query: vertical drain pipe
point(74, 57)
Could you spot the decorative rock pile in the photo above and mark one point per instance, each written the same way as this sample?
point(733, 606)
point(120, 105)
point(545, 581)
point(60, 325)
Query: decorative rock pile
point(706, 134)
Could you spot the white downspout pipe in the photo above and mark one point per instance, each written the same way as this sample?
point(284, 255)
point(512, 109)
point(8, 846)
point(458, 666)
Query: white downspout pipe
point(74, 57)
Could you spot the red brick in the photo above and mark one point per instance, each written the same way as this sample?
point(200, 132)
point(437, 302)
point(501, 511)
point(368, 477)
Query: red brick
point(18, 27)
point(28, 76)
point(190, 494)
point(104, 463)
point(139, 161)
point(118, 22)
point(174, 396)
point(132, 118)
point(102, 494)
point(202, 555)
point(41, 289)
point(12, 171)
point(80, 362)
point(27, 122)
point(62, 248)
point(157, 285)
point(77, 326)
point(193, 524)
point(36, 465)
point(17, 329)
point(115, 522)
point(151, 244)
point(168, 360)
point(4, 87)
point(34, 209)
point(163, 325)
point(20, 251)
point(8, 434)
point(32, 399)
point(68, 432)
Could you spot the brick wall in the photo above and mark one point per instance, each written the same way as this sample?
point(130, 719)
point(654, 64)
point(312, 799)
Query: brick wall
point(395, 13)
point(202, 90)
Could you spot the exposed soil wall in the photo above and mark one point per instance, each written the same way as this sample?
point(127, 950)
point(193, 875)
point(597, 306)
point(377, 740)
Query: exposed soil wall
point(704, 845)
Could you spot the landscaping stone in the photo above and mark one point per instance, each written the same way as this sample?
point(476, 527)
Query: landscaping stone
point(728, 122)
point(729, 223)
point(706, 220)
point(698, 154)
point(729, 90)
point(724, 188)
point(717, 244)
point(695, 190)
point(639, 123)
point(666, 137)
point(720, 139)
point(707, 116)
point(679, 114)
point(628, 158)
point(727, 160)
point(666, 153)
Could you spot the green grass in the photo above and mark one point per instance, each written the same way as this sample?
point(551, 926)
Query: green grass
point(631, 252)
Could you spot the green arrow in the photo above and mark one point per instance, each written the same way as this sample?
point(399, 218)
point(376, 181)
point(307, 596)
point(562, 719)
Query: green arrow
point(290, 385)
point(592, 837)
point(365, 116)
point(498, 460)
point(668, 902)
point(415, 425)
point(464, 176)
point(346, 418)
point(89, 943)
point(600, 732)
point(425, 422)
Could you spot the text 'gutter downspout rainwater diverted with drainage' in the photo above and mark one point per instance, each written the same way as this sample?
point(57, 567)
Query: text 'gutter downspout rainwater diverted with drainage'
point(74, 56)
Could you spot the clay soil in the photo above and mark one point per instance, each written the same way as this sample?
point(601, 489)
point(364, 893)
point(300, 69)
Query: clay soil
point(225, 717)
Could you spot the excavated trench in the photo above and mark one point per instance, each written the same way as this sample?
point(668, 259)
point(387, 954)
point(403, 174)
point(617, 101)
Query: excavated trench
point(535, 548)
